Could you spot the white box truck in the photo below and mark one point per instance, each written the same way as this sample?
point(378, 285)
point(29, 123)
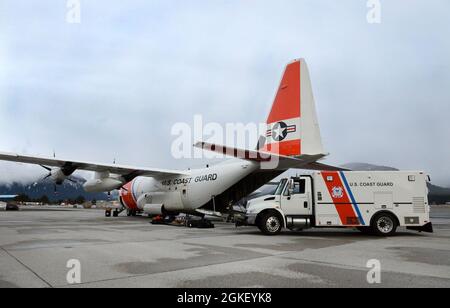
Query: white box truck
point(374, 202)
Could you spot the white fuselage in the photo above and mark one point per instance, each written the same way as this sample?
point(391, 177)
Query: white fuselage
point(188, 192)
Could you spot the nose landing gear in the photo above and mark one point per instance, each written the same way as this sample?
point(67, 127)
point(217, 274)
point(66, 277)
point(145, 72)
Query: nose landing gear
point(113, 212)
point(131, 213)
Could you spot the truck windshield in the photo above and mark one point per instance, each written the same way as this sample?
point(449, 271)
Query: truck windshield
point(280, 187)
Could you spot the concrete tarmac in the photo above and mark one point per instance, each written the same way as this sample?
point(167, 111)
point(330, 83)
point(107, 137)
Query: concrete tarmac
point(36, 245)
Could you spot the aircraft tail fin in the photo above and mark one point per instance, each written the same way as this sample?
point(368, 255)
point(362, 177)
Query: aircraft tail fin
point(292, 125)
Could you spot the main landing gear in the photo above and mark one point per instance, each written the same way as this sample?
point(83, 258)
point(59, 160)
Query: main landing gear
point(170, 220)
point(202, 223)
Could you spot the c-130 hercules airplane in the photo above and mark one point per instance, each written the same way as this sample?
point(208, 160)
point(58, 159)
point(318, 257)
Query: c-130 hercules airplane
point(292, 140)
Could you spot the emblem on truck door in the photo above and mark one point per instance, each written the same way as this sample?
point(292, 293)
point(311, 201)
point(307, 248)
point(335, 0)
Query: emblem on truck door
point(337, 192)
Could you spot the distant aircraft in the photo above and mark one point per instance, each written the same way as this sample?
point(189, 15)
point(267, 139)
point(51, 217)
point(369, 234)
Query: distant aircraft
point(292, 139)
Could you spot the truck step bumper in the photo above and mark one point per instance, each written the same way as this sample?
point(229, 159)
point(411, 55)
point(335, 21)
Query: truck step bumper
point(425, 228)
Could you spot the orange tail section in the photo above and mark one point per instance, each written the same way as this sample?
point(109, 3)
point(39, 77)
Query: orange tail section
point(292, 127)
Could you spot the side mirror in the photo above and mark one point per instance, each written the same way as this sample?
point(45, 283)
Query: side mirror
point(291, 187)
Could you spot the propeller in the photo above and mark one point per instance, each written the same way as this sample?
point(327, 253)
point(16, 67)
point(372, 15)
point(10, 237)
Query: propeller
point(58, 176)
point(49, 172)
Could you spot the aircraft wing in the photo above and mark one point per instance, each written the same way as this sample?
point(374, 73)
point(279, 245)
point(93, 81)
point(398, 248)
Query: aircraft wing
point(7, 196)
point(129, 172)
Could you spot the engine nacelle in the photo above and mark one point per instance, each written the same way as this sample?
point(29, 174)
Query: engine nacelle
point(102, 185)
point(57, 175)
point(158, 203)
point(153, 209)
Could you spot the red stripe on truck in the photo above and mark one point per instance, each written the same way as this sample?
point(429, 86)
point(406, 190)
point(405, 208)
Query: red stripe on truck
point(340, 198)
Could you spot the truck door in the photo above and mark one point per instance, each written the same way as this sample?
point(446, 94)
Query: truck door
point(297, 200)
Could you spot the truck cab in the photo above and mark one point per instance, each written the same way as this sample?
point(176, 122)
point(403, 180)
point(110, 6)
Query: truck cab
point(290, 206)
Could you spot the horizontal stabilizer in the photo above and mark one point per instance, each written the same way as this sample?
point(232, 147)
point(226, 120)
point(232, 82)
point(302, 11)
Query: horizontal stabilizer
point(278, 162)
point(253, 155)
point(321, 167)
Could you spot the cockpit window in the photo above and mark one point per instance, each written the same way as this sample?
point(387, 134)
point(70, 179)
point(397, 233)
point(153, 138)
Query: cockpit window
point(280, 187)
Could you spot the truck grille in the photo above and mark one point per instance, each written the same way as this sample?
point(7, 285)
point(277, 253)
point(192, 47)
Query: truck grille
point(419, 205)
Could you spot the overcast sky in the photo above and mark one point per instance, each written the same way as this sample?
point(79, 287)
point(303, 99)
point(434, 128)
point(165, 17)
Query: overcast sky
point(113, 85)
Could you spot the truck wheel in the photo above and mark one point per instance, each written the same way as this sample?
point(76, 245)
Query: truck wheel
point(107, 213)
point(270, 224)
point(384, 224)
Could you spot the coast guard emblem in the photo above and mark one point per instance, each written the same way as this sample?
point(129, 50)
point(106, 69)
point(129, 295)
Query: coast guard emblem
point(337, 192)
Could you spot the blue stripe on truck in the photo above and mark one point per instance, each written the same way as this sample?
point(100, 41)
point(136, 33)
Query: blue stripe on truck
point(352, 198)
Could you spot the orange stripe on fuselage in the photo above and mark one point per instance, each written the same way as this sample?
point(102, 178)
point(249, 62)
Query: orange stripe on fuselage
point(127, 196)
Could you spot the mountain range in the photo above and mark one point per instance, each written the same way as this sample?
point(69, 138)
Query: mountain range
point(68, 190)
